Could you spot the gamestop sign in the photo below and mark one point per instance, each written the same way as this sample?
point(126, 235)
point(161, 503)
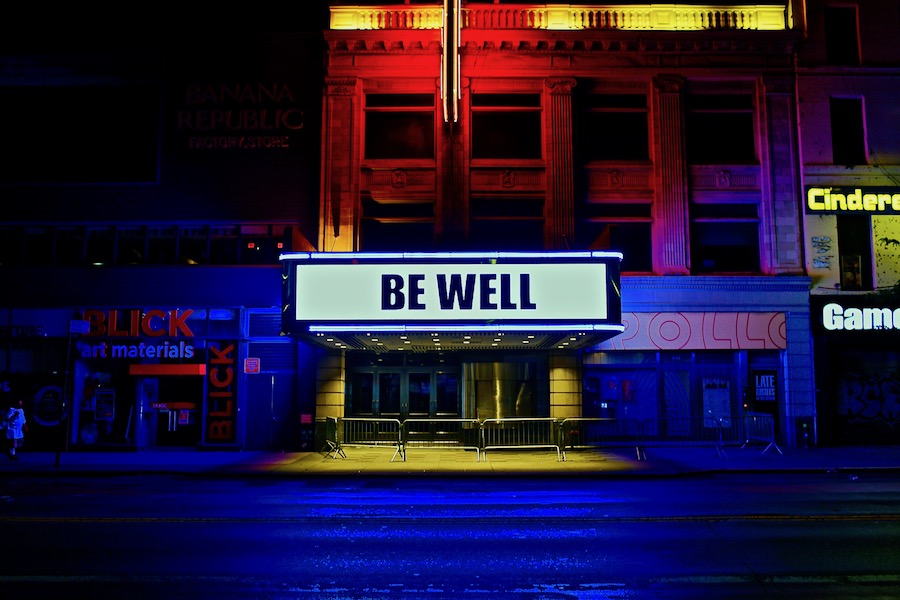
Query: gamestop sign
point(440, 288)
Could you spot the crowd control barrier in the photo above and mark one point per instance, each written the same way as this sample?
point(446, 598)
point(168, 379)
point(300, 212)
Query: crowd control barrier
point(760, 428)
point(441, 433)
point(560, 435)
point(362, 431)
point(520, 432)
point(596, 432)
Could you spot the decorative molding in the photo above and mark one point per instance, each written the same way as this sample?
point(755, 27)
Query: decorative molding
point(344, 86)
point(669, 84)
point(560, 85)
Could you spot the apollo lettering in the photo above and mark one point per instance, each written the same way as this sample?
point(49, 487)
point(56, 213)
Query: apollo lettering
point(835, 318)
point(487, 291)
point(826, 200)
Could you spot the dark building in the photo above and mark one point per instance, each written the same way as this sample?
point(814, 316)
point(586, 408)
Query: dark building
point(848, 88)
point(171, 197)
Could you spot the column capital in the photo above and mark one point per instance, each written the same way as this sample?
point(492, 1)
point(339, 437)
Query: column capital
point(340, 86)
point(560, 85)
point(668, 84)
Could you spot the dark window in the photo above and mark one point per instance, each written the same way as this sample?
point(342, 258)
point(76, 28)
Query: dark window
point(855, 249)
point(11, 246)
point(848, 138)
point(841, 36)
point(79, 134)
point(132, 246)
point(625, 228)
point(506, 223)
point(719, 129)
point(397, 225)
point(101, 246)
point(724, 238)
point(506, 126)
point(613, 127)
point(399, 126)
point(70, 246)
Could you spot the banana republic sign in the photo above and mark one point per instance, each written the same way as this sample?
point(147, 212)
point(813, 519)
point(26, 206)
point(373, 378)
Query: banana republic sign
point(240, 116)
point(464, 288)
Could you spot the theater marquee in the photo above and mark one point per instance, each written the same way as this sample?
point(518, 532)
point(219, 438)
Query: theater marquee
point(452, 291)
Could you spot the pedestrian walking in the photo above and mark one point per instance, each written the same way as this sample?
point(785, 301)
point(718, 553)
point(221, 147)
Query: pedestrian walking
point(15, 428)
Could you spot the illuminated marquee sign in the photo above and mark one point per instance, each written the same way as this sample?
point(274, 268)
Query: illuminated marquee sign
point(856, 200)
point(495, 289)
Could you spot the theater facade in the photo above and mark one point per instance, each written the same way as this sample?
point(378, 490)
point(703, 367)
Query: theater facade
point(438, 209)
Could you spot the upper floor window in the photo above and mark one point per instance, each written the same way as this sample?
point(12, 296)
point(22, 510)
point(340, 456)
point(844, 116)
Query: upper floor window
point(506, 126)
point(848, 135)
point(399, 126)
point(506, 222)
point(619, 226)
point(613, 127)
point(406, 224)
point(724, 238)
point(719, 129)
point(111, 245)
point(841, 36)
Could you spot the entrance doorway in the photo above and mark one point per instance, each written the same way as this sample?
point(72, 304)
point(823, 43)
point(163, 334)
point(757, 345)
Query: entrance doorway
point(172, 416)
point(404, 392)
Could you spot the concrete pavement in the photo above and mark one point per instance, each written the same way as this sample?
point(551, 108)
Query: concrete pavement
point(660, 461)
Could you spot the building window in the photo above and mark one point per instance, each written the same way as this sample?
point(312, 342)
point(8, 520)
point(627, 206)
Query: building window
point(622, 227)
point(848, 136)
point(506, 223)
point(399, 126)
point(613, 127)
point(724, 238)
point(841, 36)
point(855, 249)
point(719, 129)
point(397, 225)
point(506, 126)
point(101, 246)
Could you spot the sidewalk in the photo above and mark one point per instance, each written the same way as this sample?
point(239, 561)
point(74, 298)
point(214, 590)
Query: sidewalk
point(662, 461)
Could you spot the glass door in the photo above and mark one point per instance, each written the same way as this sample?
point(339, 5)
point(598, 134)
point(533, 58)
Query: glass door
point(402, 393)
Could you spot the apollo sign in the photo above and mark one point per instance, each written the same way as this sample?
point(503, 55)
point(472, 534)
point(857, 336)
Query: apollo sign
point(836, 318)
point(442, 288)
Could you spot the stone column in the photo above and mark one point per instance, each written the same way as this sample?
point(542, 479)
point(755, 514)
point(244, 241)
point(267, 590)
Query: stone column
point(330, 382)
point(670, 227)
point(337, 215)
point(565, 386)
point(559, 211)
point(780, 210)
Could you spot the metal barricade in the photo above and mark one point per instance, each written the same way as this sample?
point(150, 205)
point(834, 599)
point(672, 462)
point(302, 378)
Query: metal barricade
point(362, 431)
point(760, 427)
point(441, 433)
point(596, 432)
point(519, 432)
point(690, 431)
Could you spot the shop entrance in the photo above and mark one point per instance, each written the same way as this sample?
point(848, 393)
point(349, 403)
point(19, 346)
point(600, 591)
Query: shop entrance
point(404, 392)
point(173, 417)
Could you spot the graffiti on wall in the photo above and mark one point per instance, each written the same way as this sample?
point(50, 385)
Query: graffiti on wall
point(870, 398)
point(822, 252)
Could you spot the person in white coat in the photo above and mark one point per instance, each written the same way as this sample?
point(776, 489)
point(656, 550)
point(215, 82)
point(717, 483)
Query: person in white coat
point(15, 428)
